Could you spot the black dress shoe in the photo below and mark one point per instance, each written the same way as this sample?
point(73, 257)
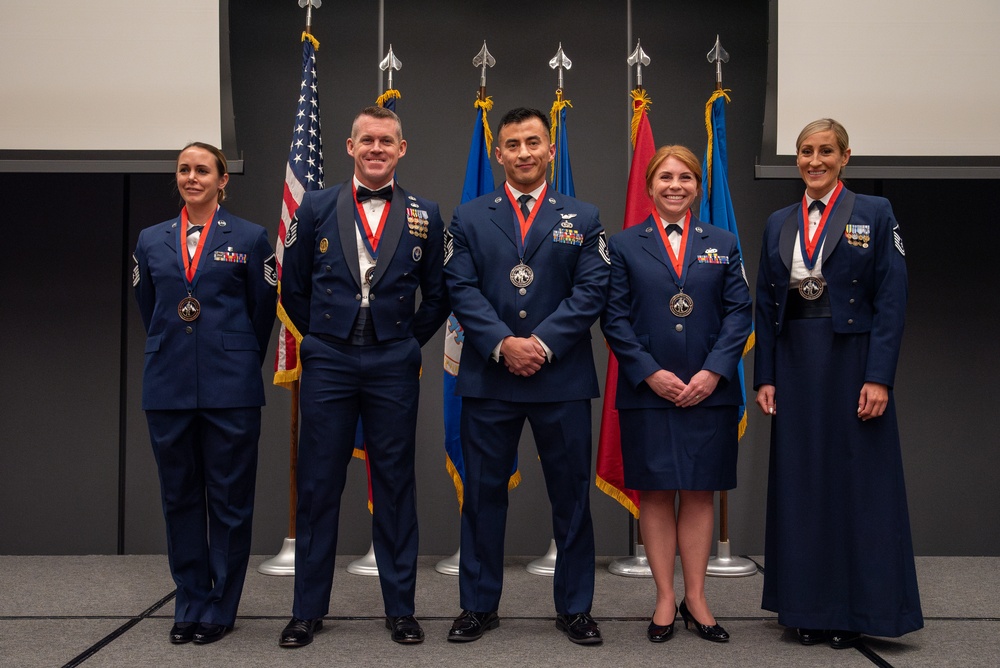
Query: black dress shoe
point(405, 630)
point(208, 633)
point(472, 625)
point(811, 636)
point(657, 633)
point(299, 632)
point(844, 639)
point(182, 632)
point(580, 627)
point(714, 633)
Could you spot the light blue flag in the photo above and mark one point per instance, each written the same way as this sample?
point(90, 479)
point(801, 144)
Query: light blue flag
point(716, 202)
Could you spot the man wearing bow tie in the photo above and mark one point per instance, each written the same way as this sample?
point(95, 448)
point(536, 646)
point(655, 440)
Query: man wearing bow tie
point(527, 272)
point(355, 256)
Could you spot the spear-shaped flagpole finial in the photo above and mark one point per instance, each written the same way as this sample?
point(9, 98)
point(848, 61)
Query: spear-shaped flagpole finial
point(560, 62)
point(718, 55)
point(638, 58)
point(390, 63)
point(482, 60)
point(309, 4)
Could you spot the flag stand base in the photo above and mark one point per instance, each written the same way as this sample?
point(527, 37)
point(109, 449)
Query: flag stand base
point(727, 566)
point(632, 567)
point(545, 565)
point(449, 565)
point(282, 563)
point(366, 565)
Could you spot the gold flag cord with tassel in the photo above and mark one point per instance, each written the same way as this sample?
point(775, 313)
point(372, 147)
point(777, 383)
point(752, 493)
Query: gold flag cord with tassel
point(640, 103)
point(486, 105)
point(557, 106)
point(707, 180)
point(308, 36)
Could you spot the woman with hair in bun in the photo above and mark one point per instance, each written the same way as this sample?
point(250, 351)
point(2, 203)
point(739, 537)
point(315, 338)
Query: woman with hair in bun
point(677, 319)
point(206, 286)
point(831, 296)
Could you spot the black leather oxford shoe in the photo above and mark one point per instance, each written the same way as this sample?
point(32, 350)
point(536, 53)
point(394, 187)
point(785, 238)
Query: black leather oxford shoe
point(299, 632)
point(580, 628)
point(405, 630)
point(472, 625)
point(811, 636)
point(182, 632)
point(209, 633)
point(844, 639)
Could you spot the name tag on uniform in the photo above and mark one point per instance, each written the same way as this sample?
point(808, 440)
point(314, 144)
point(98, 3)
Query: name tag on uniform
point(563, 236)
point(230, 256)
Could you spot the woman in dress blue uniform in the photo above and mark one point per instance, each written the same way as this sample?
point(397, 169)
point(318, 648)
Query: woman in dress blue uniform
point(831, 295)
point(677, 319)
point(206, 286)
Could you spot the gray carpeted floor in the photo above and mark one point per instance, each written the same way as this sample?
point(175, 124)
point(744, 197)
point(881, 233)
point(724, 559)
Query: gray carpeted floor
point(103, 611)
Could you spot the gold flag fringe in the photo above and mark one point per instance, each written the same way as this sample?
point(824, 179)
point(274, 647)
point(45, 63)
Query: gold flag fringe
point(288, 376)
point(389, 94)
point(618, 496)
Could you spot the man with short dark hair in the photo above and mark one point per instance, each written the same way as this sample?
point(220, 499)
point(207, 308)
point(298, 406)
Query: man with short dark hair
point(527, 271)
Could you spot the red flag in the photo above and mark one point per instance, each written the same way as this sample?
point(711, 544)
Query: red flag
point(638, 205)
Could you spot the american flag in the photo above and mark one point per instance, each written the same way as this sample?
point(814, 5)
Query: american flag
point(304, 172)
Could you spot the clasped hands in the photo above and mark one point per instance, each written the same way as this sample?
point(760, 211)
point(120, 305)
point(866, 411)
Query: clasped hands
point(523, 356)
point(667, 385)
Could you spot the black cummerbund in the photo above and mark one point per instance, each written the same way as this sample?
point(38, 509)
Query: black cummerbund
point(799, 307)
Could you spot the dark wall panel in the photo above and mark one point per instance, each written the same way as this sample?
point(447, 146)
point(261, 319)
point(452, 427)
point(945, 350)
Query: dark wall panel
point(59, 426)
point(59, 350)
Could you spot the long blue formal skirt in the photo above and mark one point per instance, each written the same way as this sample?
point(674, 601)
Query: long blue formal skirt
point(838, 552)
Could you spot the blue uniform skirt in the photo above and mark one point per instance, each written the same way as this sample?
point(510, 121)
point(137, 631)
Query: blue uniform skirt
point(838, 552)
point(679, 448)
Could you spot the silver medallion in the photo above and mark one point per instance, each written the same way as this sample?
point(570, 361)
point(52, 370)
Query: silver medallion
point(521, 275)
point(681, 305)
point(189, 309)
point(370, 275)
point(810, 288)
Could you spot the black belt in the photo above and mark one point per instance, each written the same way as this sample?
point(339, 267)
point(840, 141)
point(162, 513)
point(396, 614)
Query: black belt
point(798, 307)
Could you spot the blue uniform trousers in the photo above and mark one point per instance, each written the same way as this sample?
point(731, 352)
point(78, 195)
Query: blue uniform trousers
point(490, 431)
point(379, 383)
point(207, 463)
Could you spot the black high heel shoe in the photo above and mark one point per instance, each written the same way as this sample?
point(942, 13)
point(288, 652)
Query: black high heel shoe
point(657, 633)
point(714, 633)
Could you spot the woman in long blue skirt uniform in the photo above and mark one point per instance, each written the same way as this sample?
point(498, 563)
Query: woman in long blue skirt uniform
point(831, 296)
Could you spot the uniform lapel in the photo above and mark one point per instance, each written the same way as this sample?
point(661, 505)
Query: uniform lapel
point(392, 231)
point(546, 218)
point(652, 243)
point(219, 234)
point(348, 229)
point(836, 226)
point(503, 216)
point(786, 240)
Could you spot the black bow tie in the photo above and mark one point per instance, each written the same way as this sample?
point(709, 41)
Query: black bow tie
point(817, 205)
point(674, 228)
point(364, 194)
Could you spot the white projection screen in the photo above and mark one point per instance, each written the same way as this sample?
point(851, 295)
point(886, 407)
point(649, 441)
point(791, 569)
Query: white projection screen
point(112, 85)
point(913, 81)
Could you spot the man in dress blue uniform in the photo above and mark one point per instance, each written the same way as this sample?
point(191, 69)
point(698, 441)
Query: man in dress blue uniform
point(527, 272)
point(355, 256)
